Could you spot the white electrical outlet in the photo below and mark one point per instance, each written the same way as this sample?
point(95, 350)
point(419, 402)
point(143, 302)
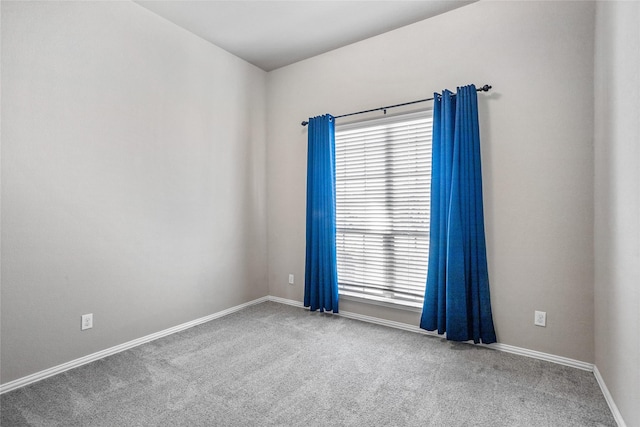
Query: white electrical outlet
point(540, 318)
point(291, 279)
point(87, 321)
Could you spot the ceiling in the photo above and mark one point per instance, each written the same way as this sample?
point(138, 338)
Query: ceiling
point(272, 34)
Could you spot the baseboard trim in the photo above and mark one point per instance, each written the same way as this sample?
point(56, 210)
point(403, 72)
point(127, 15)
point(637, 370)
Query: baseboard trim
point(286, 301)
point(389, 323)
point(560, 360)
point(607, 396)
point(38, 376)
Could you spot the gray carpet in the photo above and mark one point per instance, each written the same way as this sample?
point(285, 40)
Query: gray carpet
point(272, 364)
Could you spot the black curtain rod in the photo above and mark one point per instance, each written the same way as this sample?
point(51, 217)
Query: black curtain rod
point(484, 88)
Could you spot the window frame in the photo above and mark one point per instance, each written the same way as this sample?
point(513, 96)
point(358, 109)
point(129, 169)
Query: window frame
point(385, 301)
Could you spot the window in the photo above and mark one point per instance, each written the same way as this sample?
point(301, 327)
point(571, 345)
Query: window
point(383, 181)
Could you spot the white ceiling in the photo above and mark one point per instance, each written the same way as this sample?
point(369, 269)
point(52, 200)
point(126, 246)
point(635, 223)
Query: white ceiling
point(272, 34)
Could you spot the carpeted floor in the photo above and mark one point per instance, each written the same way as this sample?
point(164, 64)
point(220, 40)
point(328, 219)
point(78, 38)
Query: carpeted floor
point(272, 364)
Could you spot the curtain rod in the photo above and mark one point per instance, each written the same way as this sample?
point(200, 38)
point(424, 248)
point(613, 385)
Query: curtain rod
point(484, 88)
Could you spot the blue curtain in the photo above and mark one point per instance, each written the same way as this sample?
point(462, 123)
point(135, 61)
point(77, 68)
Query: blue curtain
point(321, 271)
point(457, 291)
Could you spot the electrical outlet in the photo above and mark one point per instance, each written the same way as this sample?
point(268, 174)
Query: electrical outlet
point(540, 318)
point(87, 321)
point(291, 279)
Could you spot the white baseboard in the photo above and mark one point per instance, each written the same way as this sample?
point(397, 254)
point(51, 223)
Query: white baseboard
point(21, 382)
point(389, 323)
point(286, 301)
point(607, 396)
point(361, 317)
point(560, 360)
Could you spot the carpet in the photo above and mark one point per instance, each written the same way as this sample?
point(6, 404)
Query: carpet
point(276, 365)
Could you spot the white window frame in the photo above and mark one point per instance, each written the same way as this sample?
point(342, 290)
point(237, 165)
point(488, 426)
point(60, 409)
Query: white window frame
point(366, 293)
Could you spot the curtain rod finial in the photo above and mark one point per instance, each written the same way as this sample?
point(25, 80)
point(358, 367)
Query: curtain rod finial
point(486, 88)
point(304, 123)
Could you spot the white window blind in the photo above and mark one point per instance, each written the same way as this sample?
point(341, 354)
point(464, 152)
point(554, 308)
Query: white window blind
point(383, 179)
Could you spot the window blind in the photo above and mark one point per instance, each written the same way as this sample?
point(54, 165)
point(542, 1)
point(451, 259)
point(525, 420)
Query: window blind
point(383, 179)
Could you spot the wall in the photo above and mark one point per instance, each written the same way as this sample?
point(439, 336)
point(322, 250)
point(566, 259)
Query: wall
point(537, 136)
point(617, 194)
point(133, 164)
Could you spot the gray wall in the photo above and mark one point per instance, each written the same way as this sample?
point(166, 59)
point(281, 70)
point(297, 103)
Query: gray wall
point(133, 164)
point(617, 197)
point(537, 136)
